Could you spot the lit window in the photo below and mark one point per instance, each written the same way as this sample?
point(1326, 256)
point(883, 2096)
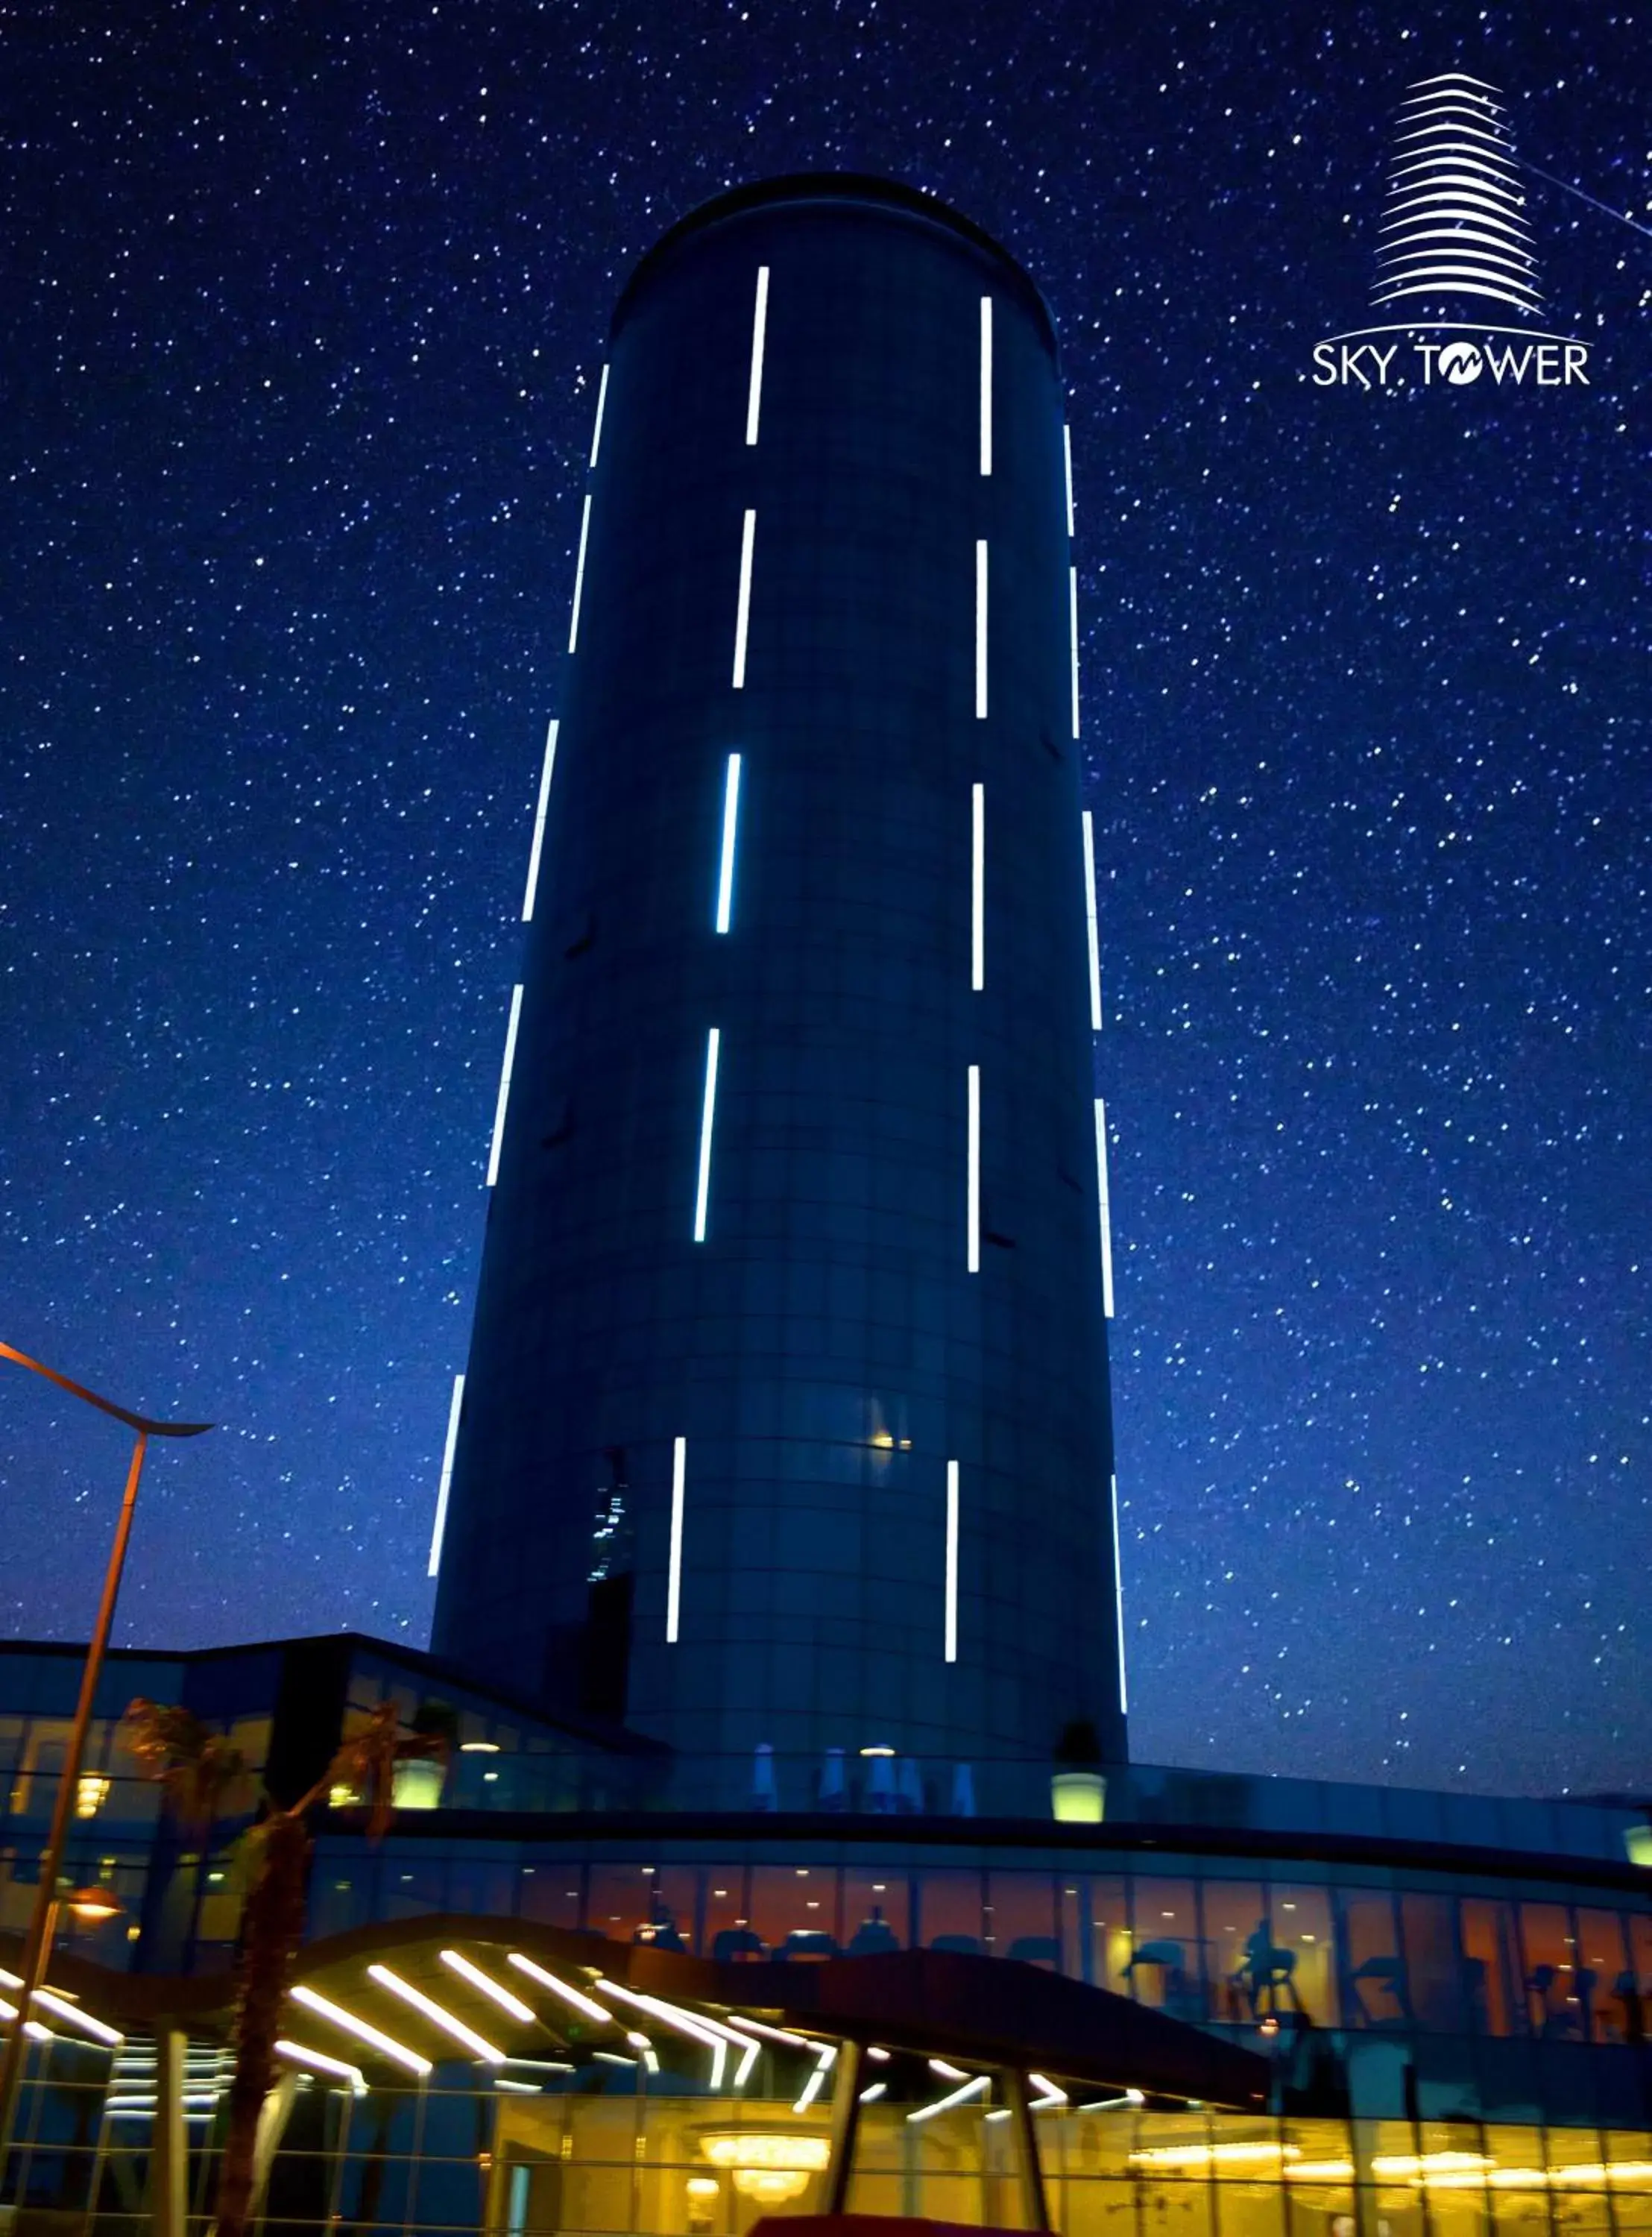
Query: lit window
point(952, 1561)
point(674, 1574)
point(986, 384)
point(760, 327)
point(579, 575)
point(1101, 1195)
point(980, 628)
point(707, 1109)
point(602, 398)
point(1092, 930)
point(725, 863)
point(977, 887)
point(440, 1529)
point(504, 1086)
point(743, 613)
point(1072, 633)
point(1118, 1605)
point(539, 823)
point(972, 1216)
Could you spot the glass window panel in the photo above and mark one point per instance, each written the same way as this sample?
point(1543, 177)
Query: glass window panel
point(621, 1900)
point(1549, 1955)
point(1489, 1966)
point(877, 1910)
point(1516, 2206)
point(1020, 1919)
point(550, 1893)
point(1109, 1928)
point(728, 1933)
point(673, 1899)
point(1301, 1923)
point(1635, 2002)
point(1375, 1992)
point(1072, 1913)
point(1630, 2149)
point(1231, 1909)
point(794, 1909)
point(1432, 1969)
point(1603, 1962)
point(1165, 1966)
point(950, 1910)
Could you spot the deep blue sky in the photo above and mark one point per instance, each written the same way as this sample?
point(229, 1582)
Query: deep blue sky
point(304, 313)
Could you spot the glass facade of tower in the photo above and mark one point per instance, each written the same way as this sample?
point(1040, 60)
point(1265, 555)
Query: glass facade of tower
point(787, 1416)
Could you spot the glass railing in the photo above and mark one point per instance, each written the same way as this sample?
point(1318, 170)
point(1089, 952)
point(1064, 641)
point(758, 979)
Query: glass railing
point(859, 1787)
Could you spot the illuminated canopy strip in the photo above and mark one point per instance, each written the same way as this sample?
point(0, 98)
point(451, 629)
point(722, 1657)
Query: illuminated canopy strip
point(507, 2003)
point(580, 2002)
point(437, 2014)
point(303, 1994)
point(321, 2063)
point(959, 2096)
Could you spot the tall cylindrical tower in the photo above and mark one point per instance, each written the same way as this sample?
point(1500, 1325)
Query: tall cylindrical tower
point(787, 1415)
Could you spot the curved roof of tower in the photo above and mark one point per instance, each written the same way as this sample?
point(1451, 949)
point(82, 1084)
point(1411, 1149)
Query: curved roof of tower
point(831, 187)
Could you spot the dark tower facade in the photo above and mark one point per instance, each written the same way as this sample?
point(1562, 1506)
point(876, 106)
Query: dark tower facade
point(786, 1414)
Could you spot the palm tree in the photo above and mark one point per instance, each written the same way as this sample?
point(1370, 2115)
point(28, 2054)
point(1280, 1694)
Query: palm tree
point(197, 1769)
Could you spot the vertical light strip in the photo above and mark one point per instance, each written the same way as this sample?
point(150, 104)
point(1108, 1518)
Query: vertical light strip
point(760, 328)
point(1107, 1216)
point(986, 384)
point(673, 1572)
point(1072, 635)
point(579, 575)
point(505, 1084)
point(1067, 458)
point(981, 630)
point(952, 1561)
point(725, 865)
point(978, 886)
point(597, 431)
point(706, 1109)
point(972, 1248)
point(539, 823)
point(1092, 931)
point(1118, 1603)
point(439, 1531)
point(743, 613)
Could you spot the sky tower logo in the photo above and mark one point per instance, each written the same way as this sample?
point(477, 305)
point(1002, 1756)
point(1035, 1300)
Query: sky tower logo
point(1453, 237)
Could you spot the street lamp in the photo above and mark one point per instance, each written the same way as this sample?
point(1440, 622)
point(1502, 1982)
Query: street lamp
point(43, 1919)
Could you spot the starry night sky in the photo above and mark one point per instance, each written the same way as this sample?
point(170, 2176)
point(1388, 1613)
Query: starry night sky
point(303, 312)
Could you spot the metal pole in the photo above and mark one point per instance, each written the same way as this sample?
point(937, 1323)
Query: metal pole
point(36, 1949)
point(846, 2121)
point(1035, 2208)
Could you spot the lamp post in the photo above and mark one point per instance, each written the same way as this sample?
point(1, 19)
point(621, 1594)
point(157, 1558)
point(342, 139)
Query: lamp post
point(36, 1949)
